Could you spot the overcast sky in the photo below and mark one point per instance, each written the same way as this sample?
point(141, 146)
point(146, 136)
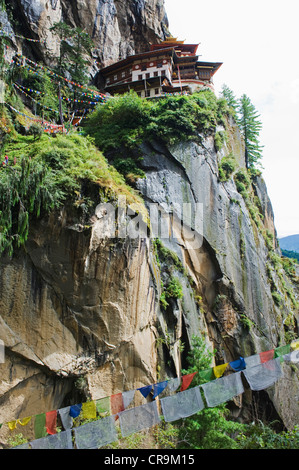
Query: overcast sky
point(257, 42)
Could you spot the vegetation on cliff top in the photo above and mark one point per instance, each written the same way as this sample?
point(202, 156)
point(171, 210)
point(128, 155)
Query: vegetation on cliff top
point(121, 124)
point(44, 173)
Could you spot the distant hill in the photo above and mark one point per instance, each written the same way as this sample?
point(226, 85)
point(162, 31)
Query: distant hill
point(290, 254)
point(290, 243)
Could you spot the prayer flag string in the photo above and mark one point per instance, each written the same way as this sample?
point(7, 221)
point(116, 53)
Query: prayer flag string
point(260, 373)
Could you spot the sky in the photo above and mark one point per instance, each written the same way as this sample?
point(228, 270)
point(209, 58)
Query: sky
point(257, 42)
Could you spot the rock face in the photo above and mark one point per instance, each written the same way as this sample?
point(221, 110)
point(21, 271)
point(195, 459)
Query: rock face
point(118, 28)
point(80, 312)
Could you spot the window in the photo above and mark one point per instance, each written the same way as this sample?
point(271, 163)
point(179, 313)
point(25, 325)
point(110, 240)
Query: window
point(108, 81)
point(147, 75)
point(115, 77)
point(139, 93)
point(157, 91)
point(147, 93)
point(140, 77)
point(123, 74)
point(159, 65)
point(156, 74)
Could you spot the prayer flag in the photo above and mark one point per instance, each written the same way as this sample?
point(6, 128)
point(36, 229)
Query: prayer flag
point(61, 440)
point(96, 434)
point(75, 410)
point(128, 398)
point(159, 387)
point(117, 404)
point(282, 350)
point(66, 419)
point(145, 391)
point(51, 421)
point(206, 375)
point(186, 381)
point(223, 389)
point(238, 365)
point(267, 355)
point(24, 421)
point(89, 410)
point(252, 361)
point(219, 370)
point(182, 404)
point(12, 425)
point(103, 406)
point(295, 344)
point(263, 375)
point(40, 426)
point(292, 356)
point(173, 384)
point(138, 418)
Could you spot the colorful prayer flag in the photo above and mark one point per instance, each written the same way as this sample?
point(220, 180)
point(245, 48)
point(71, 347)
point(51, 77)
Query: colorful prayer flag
point(75, 410)
point(145, 391)
point(51, 421)
point(24, 421)
point(219, 370)
point(117, 404)
point(186, 381)
point(40, 426)
point(103, 406)
point(206, 375)
point(12, 425)
point(89, 410)
point(267, 355)
point(282, 350)
point(238, 365)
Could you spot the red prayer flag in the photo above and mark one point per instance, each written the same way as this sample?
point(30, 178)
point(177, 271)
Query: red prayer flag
point(117, 404)
point(186, 381)
point(266, 356)
point(51, 420)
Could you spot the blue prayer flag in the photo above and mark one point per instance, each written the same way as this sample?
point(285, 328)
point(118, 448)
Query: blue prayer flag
point(238, 365)
point(159, 387)
point(145, 390)
point(75, 410)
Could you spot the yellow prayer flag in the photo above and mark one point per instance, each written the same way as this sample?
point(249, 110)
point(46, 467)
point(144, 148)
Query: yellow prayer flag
point(219, 370)
point(12, 425)
point(295, 345)
point(24, 421)
point(89, 410)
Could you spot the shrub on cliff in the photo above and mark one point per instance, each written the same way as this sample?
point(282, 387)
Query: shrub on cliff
point(43, 174)
point(121, 124)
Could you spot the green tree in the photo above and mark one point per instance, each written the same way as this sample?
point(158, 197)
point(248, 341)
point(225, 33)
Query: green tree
point(210, 428)
point(250, 127)
point(231, 99)
point(74, 56)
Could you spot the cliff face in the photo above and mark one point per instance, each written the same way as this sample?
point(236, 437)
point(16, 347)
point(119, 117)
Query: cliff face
point(118, 28)
point(78, 307)
point(80, 314)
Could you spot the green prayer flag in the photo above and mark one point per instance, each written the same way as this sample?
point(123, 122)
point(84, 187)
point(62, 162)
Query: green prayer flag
point(103, 406)
point(40, 426)
point(282, 350)
point(206, 375)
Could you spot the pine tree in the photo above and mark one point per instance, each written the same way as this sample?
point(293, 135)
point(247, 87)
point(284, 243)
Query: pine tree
point(250, 127)
point(232, 101)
